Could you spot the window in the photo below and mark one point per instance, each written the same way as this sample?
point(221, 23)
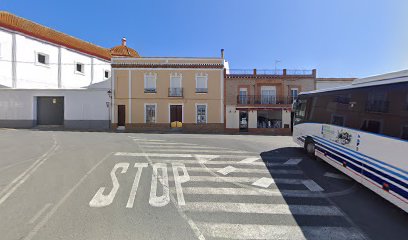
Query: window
point(268, 95)
point(243, 96)
point(150, 113)
point(294, 93)
point(175, 89)
point(377, 101)
point(371, 126)
point(150, 83)
point(42, 58)
point(269, 119)
point(201, 83)
point(79, 68)
point(106, 74)
point(404, 133)
point(337, 120)
point(201, 113)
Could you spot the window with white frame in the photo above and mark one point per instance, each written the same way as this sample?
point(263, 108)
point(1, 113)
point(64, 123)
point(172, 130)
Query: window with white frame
point(268, 95)
point(175, 89)
point(42, 58)
point(150, 113)
point(79, 68)
point(201, 83)
point(243, 96)
point(106, 74)
point(294, 93)
point(150, 82)
point(201, 113)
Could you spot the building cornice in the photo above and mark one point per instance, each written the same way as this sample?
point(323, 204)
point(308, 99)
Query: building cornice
point(169, 65)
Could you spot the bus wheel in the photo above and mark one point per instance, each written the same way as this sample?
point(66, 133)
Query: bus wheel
point(310, 148)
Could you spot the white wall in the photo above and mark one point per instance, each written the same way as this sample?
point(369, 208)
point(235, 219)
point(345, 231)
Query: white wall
point(5, 58)
point(331, 84)
point(232, 117)
point(86, 104)
point(286, 117)
point(30, 75)
point(252, 119)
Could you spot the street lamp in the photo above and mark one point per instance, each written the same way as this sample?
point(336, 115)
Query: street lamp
point(108, 105)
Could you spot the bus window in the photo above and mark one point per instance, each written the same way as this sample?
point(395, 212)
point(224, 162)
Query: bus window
point(404, 134)
point(300, 111)
point(371, 126)
point(337, 120)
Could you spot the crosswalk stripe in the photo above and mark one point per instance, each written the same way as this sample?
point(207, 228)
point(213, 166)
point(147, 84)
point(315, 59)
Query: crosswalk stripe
point(199, 151)
point(223, 162)
point(262, 208)
point(293, 161)
point(181, 155)
point(188, 146)
point(312, 186)
point(248, 192)
point(226, 170)
point(240, 179)
point(263, 182)
point(148, 140)
point(168, 143)
point(252, 231)
point(249, 170)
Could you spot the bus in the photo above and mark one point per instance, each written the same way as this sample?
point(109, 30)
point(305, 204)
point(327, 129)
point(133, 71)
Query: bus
point(362, 130)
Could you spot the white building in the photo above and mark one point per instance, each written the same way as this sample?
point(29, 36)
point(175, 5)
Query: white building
point(50, 78)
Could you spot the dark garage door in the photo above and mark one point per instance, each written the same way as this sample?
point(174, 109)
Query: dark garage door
point(50, 110)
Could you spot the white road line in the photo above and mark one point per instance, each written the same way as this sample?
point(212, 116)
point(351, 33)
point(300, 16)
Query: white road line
point(312, 186)
point(212, 162)
point(226, 170)
point(335, 175)
point(293, 161)
point(216, 151)
point(263, 208)
point(37, 227)
point(167, 143)
point(186, 147)
point(173, 155)
point(135, 185)
point(39, 213)
point(17, 182)
point(252, 231)
point(251, 170)
point(263, 182)
point(148, 140)
point(239, 179)
point(250, 160)
point(231, 191)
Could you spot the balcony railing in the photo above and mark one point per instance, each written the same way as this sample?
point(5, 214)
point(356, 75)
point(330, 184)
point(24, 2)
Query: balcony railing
point(271, 72)
point(201, 90)
point(175, 92)
point(150, 90)
point(264, 99)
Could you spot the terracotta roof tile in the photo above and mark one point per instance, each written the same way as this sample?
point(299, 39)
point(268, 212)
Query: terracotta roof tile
point(15, 23)
point(123, 51)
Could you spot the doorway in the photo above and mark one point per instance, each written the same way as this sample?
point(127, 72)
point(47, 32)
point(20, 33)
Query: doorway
point(50, 110)
point(121, 115)
point(243, 121)
point(176, 113)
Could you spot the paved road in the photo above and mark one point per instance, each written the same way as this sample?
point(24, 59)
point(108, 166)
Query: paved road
point(79, 185)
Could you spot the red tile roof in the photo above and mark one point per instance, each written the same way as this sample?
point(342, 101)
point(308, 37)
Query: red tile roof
point(123, 51)
point(18, 24)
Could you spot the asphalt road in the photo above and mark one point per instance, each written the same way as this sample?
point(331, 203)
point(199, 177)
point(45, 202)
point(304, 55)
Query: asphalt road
point(87, 185)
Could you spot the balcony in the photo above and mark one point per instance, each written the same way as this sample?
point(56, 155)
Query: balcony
point(263, 100)
point(201, 90)
point(150, 90)
point(175, 92)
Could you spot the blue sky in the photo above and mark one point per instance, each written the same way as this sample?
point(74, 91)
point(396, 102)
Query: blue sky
point(340, 38)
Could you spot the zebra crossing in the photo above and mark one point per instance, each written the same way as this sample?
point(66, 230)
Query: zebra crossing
point(235, 194)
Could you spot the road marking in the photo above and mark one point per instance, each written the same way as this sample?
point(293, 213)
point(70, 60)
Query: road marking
point(252, 231)
point(250, 160)
point(178, 180)
point(148, 140)
point(174, 155)
point(164, 199)
point(208, 162)
point(167, 143)
point(187, 147)
point(39, 213)
point(135, 185)
point(37, 227)
point(335, 175)
point(312, 186)
point(293, 161)
point(239, 179)
point(263, 182)
point(263, 208)
point(18, 181)
point(226, 170)
point(250, 170)
point(101, 200)
point(198, 150)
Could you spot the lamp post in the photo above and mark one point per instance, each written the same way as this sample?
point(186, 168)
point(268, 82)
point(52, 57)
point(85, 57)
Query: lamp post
point(109, 105)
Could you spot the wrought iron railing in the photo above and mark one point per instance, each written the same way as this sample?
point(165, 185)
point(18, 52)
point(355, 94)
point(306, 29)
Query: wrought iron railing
point(201, 90)
point(150, 90)
point(175, 92)
point(263, 99)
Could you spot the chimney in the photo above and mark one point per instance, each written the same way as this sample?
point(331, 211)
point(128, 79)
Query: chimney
point(222, 53)
point(123, 41)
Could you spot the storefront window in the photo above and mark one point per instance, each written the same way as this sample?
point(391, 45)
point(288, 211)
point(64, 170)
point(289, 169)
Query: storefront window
point(269, 119)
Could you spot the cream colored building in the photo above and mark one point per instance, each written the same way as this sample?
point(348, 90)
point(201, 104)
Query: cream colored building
point(151, 92)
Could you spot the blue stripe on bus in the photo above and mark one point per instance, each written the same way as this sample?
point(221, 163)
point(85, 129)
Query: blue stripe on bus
point(355, 154)
point(384, 175)
point(403, 193)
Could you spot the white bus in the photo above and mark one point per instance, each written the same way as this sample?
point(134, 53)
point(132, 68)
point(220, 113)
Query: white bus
point(362, 130)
